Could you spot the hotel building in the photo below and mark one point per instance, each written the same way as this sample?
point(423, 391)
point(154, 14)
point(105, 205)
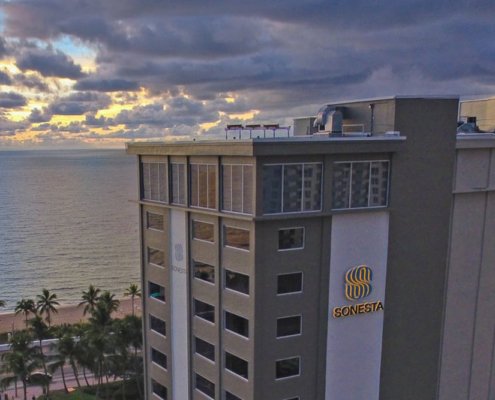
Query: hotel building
point(354, 260)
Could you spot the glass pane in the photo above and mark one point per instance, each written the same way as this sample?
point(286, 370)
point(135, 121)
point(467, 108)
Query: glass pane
point(159, 390)
point(360, 184)
point(236, 324)
point(203, 185)
point(236, 365)
point(287, 367)
point(227, 188)
point(248, 189)
point(158, 325)
point(292, 188)
point(272, 189)
point(236, 281)
point(156, 257)
point(379, 183)
point(292, 238)
point(145, 170)
point(154, 221)
point(289, 283)
point(235, 237)
point(205, 386)
point(155, 181)
point(156, 291)
point(230, 396)
point(204, 348)
point(204, 310)
point(162, 172)
point(237, 187)
point(159, 358)
point(204, 272)
point(312, 187)
point(288, 326)
point(203, 231)
point(212, 186)
point(194, 185)
point(341, 185)
point(182, 184)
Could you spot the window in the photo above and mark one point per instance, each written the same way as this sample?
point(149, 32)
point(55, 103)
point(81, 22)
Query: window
point(292, 188)
point(204, 386)
point(291, 238)
point(236, 281)
point(236, 237)
point(204, 272)
point(360, 184)
point(157, 325)
point(236, 365)
point(159, 390)
point(237, 189)
point(158, 358)
point(236, 324)
point(156, 257)
point(203, 185)
point(154, 221)
point(203, 231)
point(156, 291)
point(204, 311)
point(204, 349)
point(289, 283)
point(178, 178)
point(287, 367)
point(288, 326)
point(154, 181)
point(230, 396)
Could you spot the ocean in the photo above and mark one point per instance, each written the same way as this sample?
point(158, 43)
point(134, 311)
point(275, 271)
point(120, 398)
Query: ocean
point(66, 221)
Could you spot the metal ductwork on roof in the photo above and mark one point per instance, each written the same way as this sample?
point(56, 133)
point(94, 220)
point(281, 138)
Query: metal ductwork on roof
point(329, 120)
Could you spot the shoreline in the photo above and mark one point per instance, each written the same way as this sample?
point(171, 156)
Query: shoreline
point(67, 314)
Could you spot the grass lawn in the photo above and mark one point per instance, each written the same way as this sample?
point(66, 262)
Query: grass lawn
point(75, 395)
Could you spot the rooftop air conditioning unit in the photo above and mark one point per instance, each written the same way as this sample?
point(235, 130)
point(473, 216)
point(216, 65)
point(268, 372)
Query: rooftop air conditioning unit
point(328, 120)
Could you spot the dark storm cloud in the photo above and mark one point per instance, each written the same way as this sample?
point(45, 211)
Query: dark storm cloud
point(79, 103)
point(12, 100)
point(31, 81)
point(38, 116)
point(5, 79)
point(107, 85)
point(49, 63)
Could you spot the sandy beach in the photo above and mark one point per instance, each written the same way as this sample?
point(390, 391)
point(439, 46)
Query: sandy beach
point(68, 314)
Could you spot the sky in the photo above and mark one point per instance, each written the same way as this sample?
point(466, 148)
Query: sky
point(99, 73)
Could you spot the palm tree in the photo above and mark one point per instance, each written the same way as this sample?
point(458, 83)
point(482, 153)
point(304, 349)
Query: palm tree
point(68, 349)
point(25, 306)
point(2, 303)
point(40, 331)
point(109, 302)
point(133, 291)
point(20, 362)
point(90, 298)
point(47, 303)
point(83, 355)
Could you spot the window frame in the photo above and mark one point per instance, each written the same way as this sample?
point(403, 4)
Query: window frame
point(291, 376)
point(155, 363)
point(231, 188)
point(303, 238)
point(302, 211)
point(156, 394)
point(208, 165)
point(369, 185)
point(199, 390)
point(193, 220)
point(164, 301)
point(225, 352)
point(182, 182)
point(201, 355)
point(292, 273)
point(141, 176)
point(203, 280)
point(147, 212)
point(225, 392)
point(148, 248)
point(293, 335)
point(201, 318)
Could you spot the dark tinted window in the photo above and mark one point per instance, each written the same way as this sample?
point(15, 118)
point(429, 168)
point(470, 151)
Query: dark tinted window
point(287, 368)
point(159, 358)
point(154, 221)
point(236, 324)
point(236, 281)
point(158, 325)
point(203, 271)
point(291, 238)
point(236, 365)
point(288, 326)
point(204, 310)
point(230, 396)
point(289, 283)
point(204, 348)
point(205, 386)
point(156, 291)
point(159, 390)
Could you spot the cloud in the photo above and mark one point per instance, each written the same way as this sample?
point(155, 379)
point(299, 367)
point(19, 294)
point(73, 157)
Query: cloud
point(49, 63)
point(5, 78)
point(31, 81)
point(107, 85)
point(79, 103)
point(12, 100)
point(38, 116)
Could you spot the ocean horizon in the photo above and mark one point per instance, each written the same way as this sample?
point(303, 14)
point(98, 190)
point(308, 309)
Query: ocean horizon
point(66, 221)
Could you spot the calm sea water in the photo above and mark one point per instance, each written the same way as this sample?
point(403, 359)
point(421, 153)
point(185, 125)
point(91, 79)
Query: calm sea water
point(66, 222)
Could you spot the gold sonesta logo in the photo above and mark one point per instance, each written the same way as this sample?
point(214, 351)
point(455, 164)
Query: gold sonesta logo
point(357, 285)
point(357, 282)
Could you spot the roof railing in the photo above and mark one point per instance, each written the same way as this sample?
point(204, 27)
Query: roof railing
point(252, 128)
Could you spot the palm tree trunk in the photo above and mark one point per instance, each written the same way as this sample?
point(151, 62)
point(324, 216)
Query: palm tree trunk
point(85, 377)
point(132, 302)
point(15, 387)
point(24, 388)
point(63, 378)
point(76, 374)
point(123, 388)
point(44, 367)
